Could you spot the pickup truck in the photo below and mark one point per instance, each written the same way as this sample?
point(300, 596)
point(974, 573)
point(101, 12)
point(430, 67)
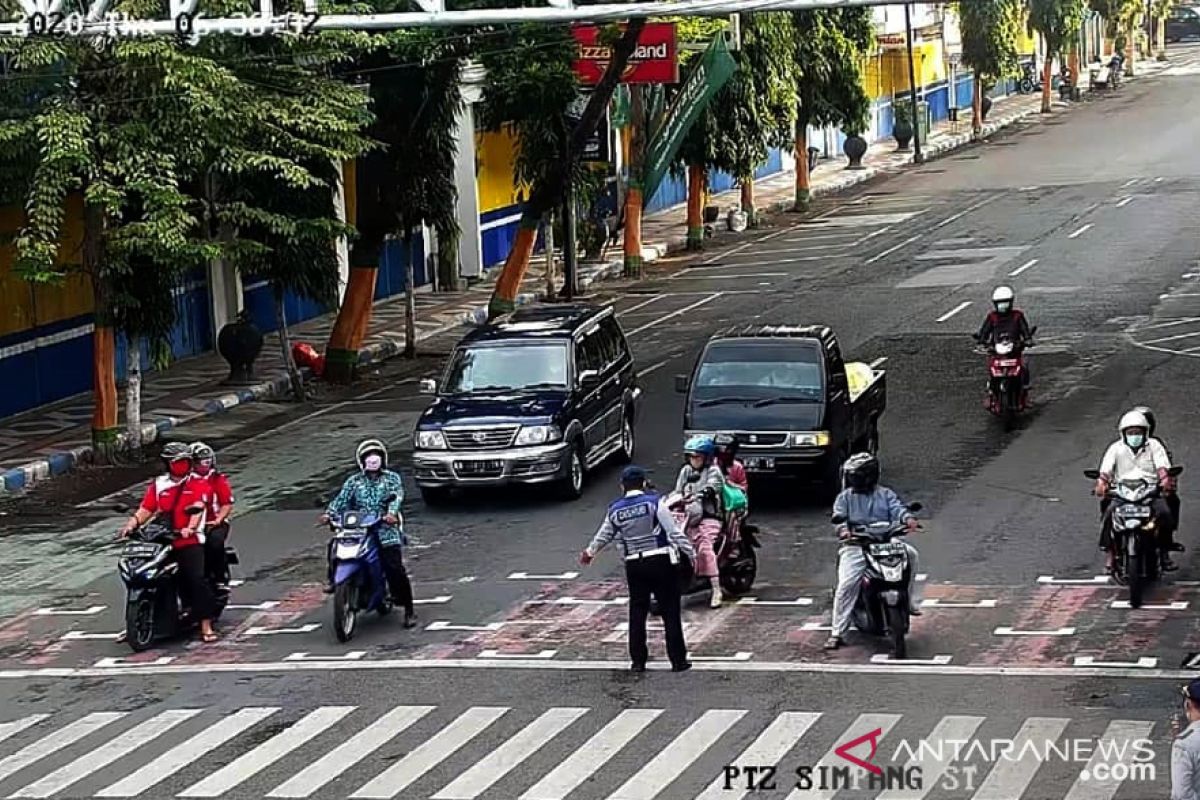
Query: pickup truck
point(795, 407)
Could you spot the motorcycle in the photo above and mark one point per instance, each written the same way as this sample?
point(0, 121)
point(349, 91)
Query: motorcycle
point(360, 584)
point(154, 608)
point(1006, 394)
point(1133, 530)
point(882, 606)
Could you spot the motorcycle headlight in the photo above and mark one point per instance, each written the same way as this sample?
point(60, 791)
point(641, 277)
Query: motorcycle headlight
point(810, 439)
point(538, 434)
point(1130, 524)
point(430, 440)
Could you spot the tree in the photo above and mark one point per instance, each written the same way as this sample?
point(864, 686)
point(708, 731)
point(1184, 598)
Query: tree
point(696, 155)
point(1120, 18)
point(829, 46)
point(1058, 21)
point(989, 31)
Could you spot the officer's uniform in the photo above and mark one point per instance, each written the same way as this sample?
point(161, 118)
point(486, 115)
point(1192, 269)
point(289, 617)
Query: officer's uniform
point(650, 543)
point(1185, 754)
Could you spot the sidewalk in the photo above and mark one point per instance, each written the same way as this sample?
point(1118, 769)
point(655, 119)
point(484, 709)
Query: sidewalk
point(55, 439)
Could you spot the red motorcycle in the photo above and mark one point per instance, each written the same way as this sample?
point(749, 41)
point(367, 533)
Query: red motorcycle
point(1007, 395)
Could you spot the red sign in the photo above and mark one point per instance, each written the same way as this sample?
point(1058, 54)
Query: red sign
point(656, 59)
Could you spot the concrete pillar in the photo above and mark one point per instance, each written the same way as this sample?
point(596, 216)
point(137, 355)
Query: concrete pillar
point(470, 246)
point(224, 294)
point(342, 246)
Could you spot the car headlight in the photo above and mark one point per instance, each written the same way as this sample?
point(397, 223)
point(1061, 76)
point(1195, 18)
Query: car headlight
point(430, 440)
point(812, 439)
point(538, 434)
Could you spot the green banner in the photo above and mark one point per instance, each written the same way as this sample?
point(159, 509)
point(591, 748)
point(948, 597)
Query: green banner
point(711, 72)
point(620, 106)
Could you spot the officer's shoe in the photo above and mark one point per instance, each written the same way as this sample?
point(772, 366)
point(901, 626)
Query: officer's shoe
point(637, 667)
point(327, 588)
point(1176, 547)
point(1167, 565)
point(684, 667)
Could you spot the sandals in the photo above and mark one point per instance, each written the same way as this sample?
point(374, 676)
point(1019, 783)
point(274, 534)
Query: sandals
point(209, 638)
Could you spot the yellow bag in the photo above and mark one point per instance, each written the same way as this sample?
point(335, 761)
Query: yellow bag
point(859, 377)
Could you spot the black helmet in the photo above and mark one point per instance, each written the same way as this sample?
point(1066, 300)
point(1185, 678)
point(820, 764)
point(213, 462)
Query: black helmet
point(727, 444)
point(1149, 415)
point(861, 472)
point(176, 451)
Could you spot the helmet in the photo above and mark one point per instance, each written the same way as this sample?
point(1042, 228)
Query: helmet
point(367, 447)
point(861, 472)
point(176, 451)
point(1003, 299)
point(726, 444)
point(202, 452)
point(1149, 415)
point(1133, 419)
point(701, 445)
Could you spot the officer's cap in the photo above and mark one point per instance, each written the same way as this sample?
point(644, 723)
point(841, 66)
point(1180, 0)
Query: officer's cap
point(633, 474)
point(1192, 691)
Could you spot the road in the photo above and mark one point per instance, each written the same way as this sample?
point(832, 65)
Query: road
point(514, 685)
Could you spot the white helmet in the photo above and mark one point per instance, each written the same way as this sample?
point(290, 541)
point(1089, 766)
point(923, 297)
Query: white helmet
point(1133, 419)
point(1003, 299)
point(370, 446)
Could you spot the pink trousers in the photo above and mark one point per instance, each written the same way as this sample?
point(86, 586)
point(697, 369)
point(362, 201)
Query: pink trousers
point(703, 535)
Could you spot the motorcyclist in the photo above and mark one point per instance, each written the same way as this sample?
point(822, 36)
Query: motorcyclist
point(863, 502)
point(1135, 455)
point(701, 484)
point(220, 507)
point(1005, 320)
point(1171, 491)
point(366, 491)
point(733, 469)
point(178, 493)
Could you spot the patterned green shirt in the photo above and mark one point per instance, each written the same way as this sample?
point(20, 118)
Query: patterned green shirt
point(365, 493)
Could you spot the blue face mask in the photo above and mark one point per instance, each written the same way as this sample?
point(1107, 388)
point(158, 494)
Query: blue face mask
point(1135, 440)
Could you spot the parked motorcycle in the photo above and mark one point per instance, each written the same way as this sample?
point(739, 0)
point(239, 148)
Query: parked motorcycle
point(1134, 531)
point(882, 608)
point(359, 582)
point(154, 608)
point(1007, 395)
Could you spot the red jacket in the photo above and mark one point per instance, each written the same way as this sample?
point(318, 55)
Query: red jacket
point(221, 492)
point(165, 496)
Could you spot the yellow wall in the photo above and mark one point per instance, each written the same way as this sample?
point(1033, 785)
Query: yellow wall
point(887, 73)
point(496, 152)
point(24, 305)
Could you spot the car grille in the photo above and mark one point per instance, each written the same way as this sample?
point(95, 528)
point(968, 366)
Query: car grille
point(762, 439)
point(479, 438)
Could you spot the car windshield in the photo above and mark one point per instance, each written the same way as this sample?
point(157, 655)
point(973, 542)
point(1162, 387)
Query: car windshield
point(758, 372)
point(485, 369)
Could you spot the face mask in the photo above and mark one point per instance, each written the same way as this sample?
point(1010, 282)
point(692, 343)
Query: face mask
point(203, 467)
point(178, 469)
point(1135, 440)
point(372, 463)
point(1003, 308)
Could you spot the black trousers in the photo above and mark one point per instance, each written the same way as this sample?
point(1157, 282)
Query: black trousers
point(215, 565)
point(657, 576)
point(193, 583)
point(397, 577)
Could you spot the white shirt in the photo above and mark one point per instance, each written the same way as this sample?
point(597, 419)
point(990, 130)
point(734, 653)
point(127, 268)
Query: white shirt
point(1121, 463)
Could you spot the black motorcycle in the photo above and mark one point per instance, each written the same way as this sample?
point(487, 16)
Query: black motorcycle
point(1134, 531)
point(154, 608)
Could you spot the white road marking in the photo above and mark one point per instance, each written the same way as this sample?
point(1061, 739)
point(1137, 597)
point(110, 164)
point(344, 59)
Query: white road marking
point(1130, 182)
point(508, 756)
point(670, 762)
point(642, 304)
point(1006, 631)
point(58, 740)
point(398, 777)
point(526, 576)
point(641, 374)
point(250, 764)
point(257, 631)
point(186, 753)
point(771, 746)
point(865, 723)
point(1171, 324)
point(73, 636)
point(587, 759)
point(964, 304)
point(353, 655)
point(892, 249)
point(496, 654)
point(673, 314)
point(10, 729)
point(579, 601)
point(1121, 734)
point(439, 600)
point(741, 655)
point(67, 612)
point(350, 752)
point(948, 729)
point(467, 579)
point(112, 750)
point(1010, 777)
point(1081, 231)
point(1022, 268)
point(737, 276)
point(884, 658)
point(939, 603)
point(1174, 338)
point(879, 362)
point(1178, 605)
point(754, 601)
point(446, 625)
point(161, 661)
point(1144, 662)
point(966, 211)
point(1050, 579)
point(266, 605)
point(1125, 202)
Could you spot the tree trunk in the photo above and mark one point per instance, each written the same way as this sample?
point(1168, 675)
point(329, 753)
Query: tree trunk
point(977, 108)
point(803, 178)
point(1073, 63)
point(634, 199)
point(747, 195)
point(447, 260)
point(695, 207)
point(410, 298)
point(133, 392)
point(104, 342)
point(513, 273)
point(1047, 73)
point(1161, 35)
point(548, 239)
point(285, 346)
point(1130, 50)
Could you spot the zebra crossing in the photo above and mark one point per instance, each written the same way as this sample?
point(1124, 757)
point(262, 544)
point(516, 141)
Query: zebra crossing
point(617, 753)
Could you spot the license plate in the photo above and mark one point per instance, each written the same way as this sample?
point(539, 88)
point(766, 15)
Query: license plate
point(477, 467)
point(1137, 512)
point(140, 551)
point(760, 464)
point(887, 549)
point(1006, 362)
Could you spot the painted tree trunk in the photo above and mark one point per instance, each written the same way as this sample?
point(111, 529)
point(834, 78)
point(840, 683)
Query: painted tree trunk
point(1161, 34)
point(104, 340)
point(133, 392)
point(803, 178)
point(353, 321)
point(1047, 72)
point(1073, 64)
point(695, 207)
point(633, 230)
point(747, 195)
point(285, 346)
point(1130, 50)
point(548, 240)
point(504, 298)
point(410, 299)
point(977, 108)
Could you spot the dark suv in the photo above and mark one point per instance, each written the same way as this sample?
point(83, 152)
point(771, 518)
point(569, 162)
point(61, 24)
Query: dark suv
point(1183, 23)
point(540, 396)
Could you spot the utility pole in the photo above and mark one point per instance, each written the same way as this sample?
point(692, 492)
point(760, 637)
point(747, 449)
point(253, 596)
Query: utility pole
point(912, 81)
point(569, 277)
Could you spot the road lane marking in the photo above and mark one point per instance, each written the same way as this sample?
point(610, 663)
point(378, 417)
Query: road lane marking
point(508, 756)
point(884, 658)
point(1121, 734)
point(439, 600)
point(496, 654)
point(1050, 579)
point(1130, 182)
point(529, 576)
point(754, 601)
point(892, 249)
point(1022, 268)
point(111, 751)
point(1081, 231)
point(353, 655)
point(769, 748)
point(74, 636)
point(741, 655)
point(10, 729)
point(350, 752)
point(579, 601)
point(966, 211)
point(587, 759)
point(933, 765)
point(939, 603)
point(1171, 324)
point(641, 374)
point(1006, 631)
point(1178, 605)
point(68, 612)
point(266, 605)
point(59, 740)
point(670, 762)
point(250, 764)
point(1174, 338)
point(674, 314)
point(642, 304)
point(1125, 202)
point(446, 625)
point(953, 311)
point(1144, 662)
point(865, 723)
point(398, 777)
point(257, 631)
point(161, 661)
point(741, 275)
point(1010, 777)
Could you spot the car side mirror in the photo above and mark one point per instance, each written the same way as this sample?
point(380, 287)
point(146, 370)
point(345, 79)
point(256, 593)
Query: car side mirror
point(1033, 331)
point(681, 384)
point(837, 519)
point(589, 378)
point(1094, 474)
point(1173, 471)
point(915, 507)
point(427, 386)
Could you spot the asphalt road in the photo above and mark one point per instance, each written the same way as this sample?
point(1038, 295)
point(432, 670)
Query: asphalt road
point(519, 659)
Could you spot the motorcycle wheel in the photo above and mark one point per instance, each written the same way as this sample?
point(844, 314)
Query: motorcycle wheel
point(345, 615)
point(896, 629)
point(1137, 580)
point(742, 572)
point(139, 624)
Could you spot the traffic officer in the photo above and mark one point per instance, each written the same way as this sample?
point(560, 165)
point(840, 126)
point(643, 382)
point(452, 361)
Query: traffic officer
point(1185, 751)
point(650, 544)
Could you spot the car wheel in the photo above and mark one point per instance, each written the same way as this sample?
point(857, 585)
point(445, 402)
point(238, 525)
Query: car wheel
point(571, 486)
point(628, 440)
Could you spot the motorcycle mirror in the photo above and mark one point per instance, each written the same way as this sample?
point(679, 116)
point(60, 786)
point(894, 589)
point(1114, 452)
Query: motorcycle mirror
point(320, 502)
point(1091, 473)
point(121, 508)
point(1173, 471)
point(915, 507)
point(1033, 331)
point(837, 519)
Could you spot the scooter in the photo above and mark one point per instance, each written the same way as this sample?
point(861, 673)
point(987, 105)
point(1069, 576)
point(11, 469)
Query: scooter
point(882, 605)
point(359, 582)
point(154, 609)
point(734, 546)
point(1134, 531)
point(1006, 393)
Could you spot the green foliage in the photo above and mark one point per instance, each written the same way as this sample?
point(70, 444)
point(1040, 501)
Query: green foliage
point(989, 37)
point(1119, 15)
point(1058, 21)
point(829, 47)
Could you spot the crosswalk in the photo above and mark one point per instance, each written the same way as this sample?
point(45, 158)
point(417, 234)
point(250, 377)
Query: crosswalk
point(617, 753)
